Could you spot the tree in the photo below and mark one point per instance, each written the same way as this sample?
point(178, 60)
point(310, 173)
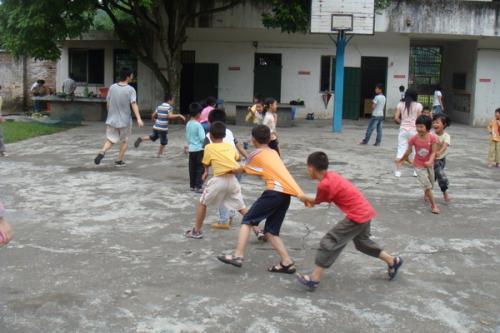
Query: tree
point(146, 27)
point(38, 28)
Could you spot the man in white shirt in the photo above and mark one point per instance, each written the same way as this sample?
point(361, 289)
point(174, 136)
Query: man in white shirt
point(378, 106)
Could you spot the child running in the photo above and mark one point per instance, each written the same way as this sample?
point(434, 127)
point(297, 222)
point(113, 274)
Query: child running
point(440, 122)
point(271, 120)
point(494, 151)
point(195, 137)
point(425, 144)
point(333, 188)
point(162, 115)
point(272, 204)
point(223, 188)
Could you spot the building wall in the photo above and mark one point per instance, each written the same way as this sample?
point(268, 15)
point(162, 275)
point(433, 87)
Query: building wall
point(460, 57)
point(487, 86)
point(11, 80)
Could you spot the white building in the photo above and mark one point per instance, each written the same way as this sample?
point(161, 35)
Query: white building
point(426, 43)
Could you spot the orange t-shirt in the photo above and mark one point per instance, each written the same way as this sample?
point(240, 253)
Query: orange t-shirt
point(267, 164)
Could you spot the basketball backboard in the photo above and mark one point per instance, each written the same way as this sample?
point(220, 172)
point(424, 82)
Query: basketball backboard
point(352, 16)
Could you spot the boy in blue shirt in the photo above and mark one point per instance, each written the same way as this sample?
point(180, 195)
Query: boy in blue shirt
point(162, 115)
point(195, 137)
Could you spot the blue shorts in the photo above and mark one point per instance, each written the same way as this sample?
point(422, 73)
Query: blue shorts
point(159, 134)
point(272, 207)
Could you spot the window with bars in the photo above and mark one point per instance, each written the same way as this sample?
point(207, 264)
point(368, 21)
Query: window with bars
point(425, 71)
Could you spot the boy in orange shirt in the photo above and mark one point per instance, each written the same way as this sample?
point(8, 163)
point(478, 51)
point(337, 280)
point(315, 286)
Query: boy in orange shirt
point(272, 204)
point(494, 151)
point(223, 187)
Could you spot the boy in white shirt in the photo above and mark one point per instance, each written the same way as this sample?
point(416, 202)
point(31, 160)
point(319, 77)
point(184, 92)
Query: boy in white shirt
point(378, 106)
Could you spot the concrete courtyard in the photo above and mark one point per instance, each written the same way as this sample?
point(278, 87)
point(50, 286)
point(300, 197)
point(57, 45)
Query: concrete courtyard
point(101, 249)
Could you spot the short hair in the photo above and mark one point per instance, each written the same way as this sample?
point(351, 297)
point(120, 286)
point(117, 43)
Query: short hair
point(167, 97)
point(424, 120)
point(261, 134)
point(380, 86)
point(211, 101)
point(194, 109)
point(268, 101)
point(218, 130)
point(497, 110)
point(426, 108)
point(401, 88)
point(217, 115)
point(444, 119)
point(40, 81)
point(125, 72)
point(318, 160)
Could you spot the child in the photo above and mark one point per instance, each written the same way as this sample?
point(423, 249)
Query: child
point(333, 188)
point(211, 103)
point(160, 128)
point(218, 115)
point(2, 146)
point(272, 204)
point(195, 137)
point(402, 93)
point(254, 114)
point(5, 230)
point(494, 151)
point(440, 122)
point(377, 119)
point(270, 120)
point(223, 188)
point(425, 144)
point(427, 112)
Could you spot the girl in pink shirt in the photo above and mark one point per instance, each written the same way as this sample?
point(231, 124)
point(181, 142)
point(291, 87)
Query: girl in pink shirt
point(406, 115)
point(211, 103)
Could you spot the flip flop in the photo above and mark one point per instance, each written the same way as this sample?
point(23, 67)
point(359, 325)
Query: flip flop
point(231, 260)
point(306, 281)
point(290, 269)
point(398, 262)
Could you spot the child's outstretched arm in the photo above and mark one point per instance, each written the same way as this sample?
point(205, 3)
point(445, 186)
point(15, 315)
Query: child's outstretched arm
point(308, 201)
point(176, 116)
point(430, 162)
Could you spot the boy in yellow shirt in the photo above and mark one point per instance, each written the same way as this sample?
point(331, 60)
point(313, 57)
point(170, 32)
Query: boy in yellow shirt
point(223, 187)
point(272, 204)
point(494, 130)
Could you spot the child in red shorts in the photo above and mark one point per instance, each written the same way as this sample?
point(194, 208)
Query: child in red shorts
point(333, 188)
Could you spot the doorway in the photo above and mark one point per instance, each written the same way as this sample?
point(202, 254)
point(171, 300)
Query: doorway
point(373, 72)
point(267, 75)
point(124, 58)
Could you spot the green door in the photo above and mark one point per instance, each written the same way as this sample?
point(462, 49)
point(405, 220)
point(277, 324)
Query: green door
point(352, 93)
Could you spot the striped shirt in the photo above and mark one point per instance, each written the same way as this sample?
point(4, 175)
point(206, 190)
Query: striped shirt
point(162, 111)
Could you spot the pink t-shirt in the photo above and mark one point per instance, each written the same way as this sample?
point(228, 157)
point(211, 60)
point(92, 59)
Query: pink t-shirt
point(334, 188)
point(423, 149)
point(408, 117)
point(204, 114)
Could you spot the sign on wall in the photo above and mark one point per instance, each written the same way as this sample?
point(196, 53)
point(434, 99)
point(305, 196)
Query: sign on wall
point(352, 16)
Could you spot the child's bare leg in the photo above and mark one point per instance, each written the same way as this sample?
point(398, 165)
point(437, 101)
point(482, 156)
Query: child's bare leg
point(145, 138)
point(386, 257)
point(160, 150)
point(5, 232)
point(107, 146)
point(279, 246)
point(201, 213)
point(432, 201)
point(123, 149)
point(316, 273)
point(243, 236)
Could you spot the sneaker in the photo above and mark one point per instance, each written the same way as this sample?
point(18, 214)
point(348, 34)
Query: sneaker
point(415, 173)
point(3, 154)
point(362, 143)
point(193, 234)
point(376, 144)
point(119, 163)
point(397, 174)
point(98, 158)
point(137, 142)
point(222, 226)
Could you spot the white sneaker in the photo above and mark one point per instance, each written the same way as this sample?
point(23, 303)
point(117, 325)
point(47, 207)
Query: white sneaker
point(397, 173)
point(415, 173)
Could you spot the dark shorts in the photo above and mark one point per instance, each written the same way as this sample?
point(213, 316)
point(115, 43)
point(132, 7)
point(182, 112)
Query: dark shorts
point(159, 134)
point(272, 207)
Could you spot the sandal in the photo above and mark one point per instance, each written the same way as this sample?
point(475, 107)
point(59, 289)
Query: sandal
point(260, 235)
point(231, 260)
point(393, 270)
point(435, 209)
point(290, 269)
point(306, 281)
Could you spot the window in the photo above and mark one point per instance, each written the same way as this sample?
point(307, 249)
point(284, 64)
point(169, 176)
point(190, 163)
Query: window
point(87, 66)
point(327, 79)
point(425, 71)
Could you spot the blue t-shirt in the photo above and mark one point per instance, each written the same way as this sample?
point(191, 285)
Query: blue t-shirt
point(162, 112)
point(195, 136)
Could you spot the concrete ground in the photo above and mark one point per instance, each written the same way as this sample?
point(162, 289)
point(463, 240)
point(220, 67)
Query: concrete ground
point(100, 249)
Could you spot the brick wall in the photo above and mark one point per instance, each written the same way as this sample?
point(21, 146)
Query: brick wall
point(17, 77)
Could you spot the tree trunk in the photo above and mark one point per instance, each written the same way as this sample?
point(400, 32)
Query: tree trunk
point(173, 73)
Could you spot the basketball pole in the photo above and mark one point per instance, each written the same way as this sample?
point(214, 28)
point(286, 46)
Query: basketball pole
point(338, 106)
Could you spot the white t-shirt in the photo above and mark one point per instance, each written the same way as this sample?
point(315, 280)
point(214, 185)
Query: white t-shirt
point(229, 139)
point(379, 101)
point(270, 121)
point(437, 94)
